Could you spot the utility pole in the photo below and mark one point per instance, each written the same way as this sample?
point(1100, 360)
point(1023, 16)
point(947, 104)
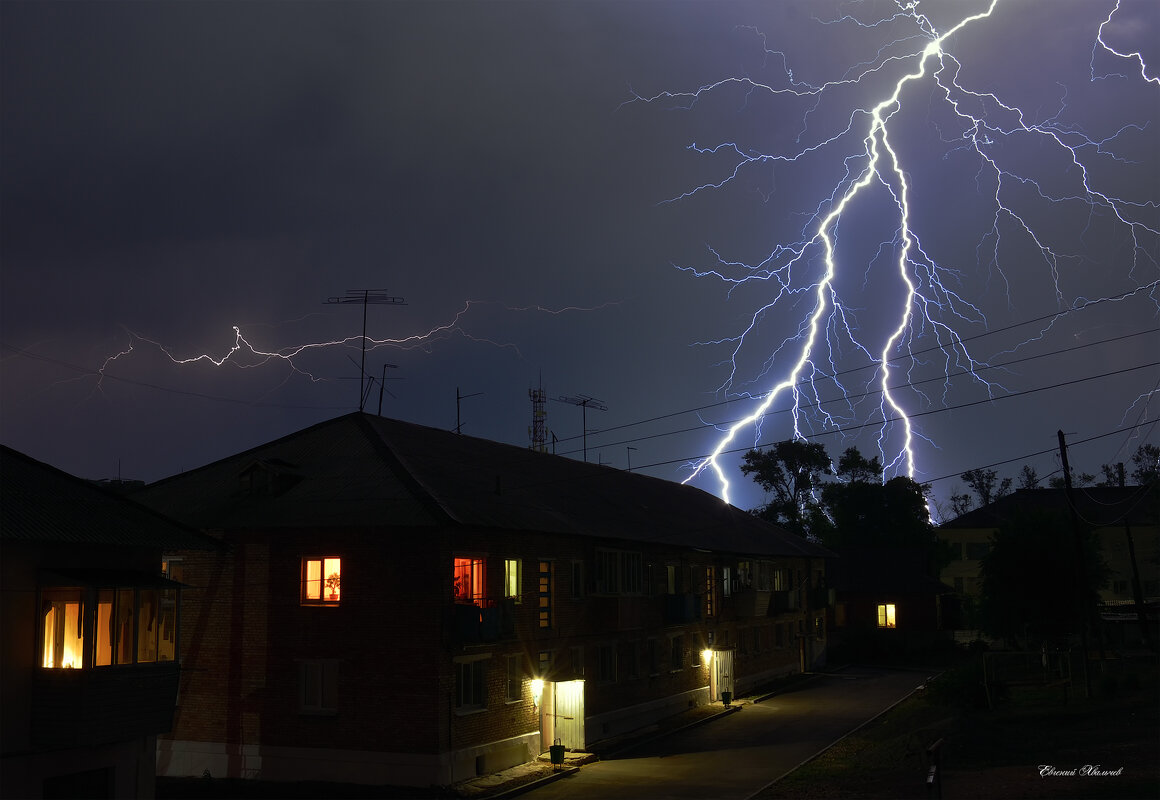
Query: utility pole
point(1137, 590)
point(585, 402)
point(628, 452)
point(373, 297)
point(458, 397)
point(1081, 572)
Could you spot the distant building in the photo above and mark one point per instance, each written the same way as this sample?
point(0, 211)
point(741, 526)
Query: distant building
point(89, 630)
point(403, 605)
point(1123, 520)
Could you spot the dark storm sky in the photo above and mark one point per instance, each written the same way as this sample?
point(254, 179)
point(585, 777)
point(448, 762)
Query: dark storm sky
point(171, 170)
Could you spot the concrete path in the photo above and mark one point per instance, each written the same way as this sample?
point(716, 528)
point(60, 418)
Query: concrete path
point(733, 757)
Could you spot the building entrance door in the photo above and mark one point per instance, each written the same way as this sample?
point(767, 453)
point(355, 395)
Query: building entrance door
point(721, 674)
point(562, 714)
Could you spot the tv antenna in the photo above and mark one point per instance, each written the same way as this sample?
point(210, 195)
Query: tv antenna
point(585, 402)
point(368, 297)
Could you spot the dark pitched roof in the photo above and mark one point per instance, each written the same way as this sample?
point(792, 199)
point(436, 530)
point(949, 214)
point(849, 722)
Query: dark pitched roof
point(1096, 506)
point(42, 504)
point(902, 570)
point(362, 470)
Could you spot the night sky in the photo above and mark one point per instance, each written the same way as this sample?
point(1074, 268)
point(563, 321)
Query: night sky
point(526, 176)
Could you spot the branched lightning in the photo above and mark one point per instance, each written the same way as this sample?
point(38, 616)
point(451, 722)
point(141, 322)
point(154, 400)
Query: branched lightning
point(242, 353)
point(927, 301)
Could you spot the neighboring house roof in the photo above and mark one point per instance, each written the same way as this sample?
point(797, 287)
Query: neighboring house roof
point(362, 470)
point(1096, 506)
point(41, 504)
point(867, 570)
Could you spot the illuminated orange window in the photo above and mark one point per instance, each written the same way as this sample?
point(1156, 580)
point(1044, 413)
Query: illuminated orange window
point(886, 615)
point(64, 642)
point(468, 580)
point(105, 630)
point(322, 580)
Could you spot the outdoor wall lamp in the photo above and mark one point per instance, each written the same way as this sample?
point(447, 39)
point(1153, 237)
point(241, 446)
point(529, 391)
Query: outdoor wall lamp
point(537, 691)
point(707, 657)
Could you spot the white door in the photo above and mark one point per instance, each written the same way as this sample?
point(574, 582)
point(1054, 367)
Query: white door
point(722, 675)
point(568, 714)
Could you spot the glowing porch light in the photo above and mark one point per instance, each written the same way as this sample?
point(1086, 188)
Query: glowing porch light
point(706, 657)
point(537, 690)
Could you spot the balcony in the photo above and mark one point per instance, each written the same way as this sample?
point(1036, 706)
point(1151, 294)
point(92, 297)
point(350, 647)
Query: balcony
point(749, 603)
point(821, 598)
point(682, 608)
point(87, 707)
point(623, 612)
point(783, 602)
point(472, 624)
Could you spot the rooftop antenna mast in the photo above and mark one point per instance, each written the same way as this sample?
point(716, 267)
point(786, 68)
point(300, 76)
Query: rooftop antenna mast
point(585, 402)
point(368, 297)
point(538, 430)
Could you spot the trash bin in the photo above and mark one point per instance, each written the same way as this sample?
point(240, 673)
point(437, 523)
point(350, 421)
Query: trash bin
point(557, 753)
point(726, 698)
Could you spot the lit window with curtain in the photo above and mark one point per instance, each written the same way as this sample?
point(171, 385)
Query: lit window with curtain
point(886, 615)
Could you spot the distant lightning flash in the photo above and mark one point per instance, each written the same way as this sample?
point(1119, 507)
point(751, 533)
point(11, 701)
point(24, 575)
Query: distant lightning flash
point(244, 354)
point(926, 302)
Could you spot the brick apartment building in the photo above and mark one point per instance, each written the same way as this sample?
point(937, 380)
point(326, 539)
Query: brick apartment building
point(88, 635)
point(403, 605)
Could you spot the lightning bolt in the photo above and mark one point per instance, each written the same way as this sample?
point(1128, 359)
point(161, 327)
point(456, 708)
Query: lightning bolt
point(241, 352)
point(927, 304)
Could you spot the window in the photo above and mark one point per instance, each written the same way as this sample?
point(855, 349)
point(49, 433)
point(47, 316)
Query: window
point(606, 663)
point(676, 653)
point(515, 679)
point(545, 594)
point(886, 617)
point(321, 580)
point(977, 550)
point(631, 660)
point(467, 580)
point(147, 628)
point(511, 578)
point(619, 572)
point(470, 685)
point(318, 686)
point(545, 663)
point(671, 578)
point(710, 592)
point(577, 580)
point(744, 575)
point(577, 659)
point(64, 643)
point(820, 627)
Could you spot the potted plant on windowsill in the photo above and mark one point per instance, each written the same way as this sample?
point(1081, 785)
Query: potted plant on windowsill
point(333, 581)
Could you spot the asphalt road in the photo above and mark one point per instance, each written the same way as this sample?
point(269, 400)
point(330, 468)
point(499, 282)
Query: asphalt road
point(733, 757)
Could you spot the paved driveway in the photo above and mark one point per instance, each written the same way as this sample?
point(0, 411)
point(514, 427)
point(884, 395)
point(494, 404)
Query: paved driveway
point(738, 754)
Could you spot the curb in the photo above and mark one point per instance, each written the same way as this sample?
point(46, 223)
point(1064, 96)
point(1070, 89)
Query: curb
point(695, 723)
point(530, 785)
point(848, 733)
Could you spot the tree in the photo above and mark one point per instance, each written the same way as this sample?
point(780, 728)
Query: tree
point(791, 471)
point(1146, 460)
point(1028, 478)
point(982, 483)
point(1031, 590)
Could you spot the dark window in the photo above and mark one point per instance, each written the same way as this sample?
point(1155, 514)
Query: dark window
point(470, 687)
